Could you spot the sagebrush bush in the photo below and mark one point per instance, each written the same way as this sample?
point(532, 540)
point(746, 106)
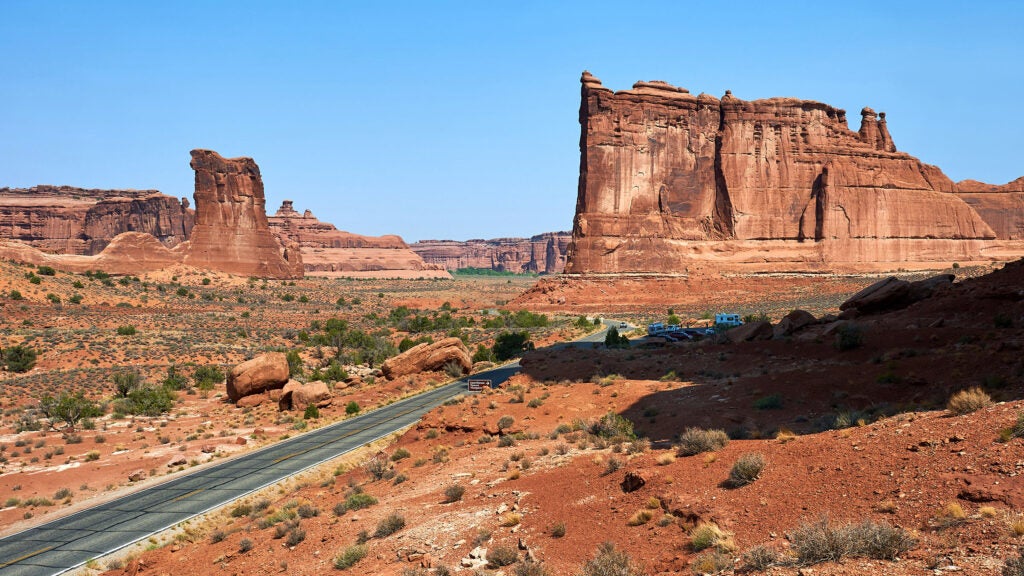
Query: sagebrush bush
point(967, 401)
point(389, 525)
point(696, 440)
point(1014, 566)
point(610, 562)
point(350, 556)
point(502, 556)
point(454, 493)
point(711, 562)
point(747, 469)
point(760, 557)
point(822, 541)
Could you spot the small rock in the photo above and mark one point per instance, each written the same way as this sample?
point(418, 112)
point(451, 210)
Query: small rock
point(136, 476)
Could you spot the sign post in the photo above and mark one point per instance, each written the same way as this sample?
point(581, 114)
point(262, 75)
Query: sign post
point(476, 385)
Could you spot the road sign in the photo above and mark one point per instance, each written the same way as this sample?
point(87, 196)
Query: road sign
point(478, 384)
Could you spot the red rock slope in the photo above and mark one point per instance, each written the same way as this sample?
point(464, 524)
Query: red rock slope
point(669, 179)
point(542, 254)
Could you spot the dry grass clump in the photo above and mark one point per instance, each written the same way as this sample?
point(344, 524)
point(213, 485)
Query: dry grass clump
point(708, 535)
point(823, 541)
point(610, 562)
point(665, 459)
point(967, 401)
point(1017, 525)
point(746, 470)
point(510, 519)
point(640, 517)
point(951, 515)
point(696, 440)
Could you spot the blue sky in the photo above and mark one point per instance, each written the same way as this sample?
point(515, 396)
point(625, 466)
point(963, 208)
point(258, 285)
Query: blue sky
point(460, 119)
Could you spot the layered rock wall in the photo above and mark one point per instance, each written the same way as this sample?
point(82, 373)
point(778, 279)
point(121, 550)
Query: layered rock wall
point(67, 220)
point(329, 251)
point(667, 177)
point(541, 254)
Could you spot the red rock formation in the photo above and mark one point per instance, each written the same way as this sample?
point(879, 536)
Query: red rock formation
point(543, 253)
point(669, 180)
point(425, 357)
point(231, 231)
point(127, 253)
point(66, 220)
point(1002, 207)
point(329, 251)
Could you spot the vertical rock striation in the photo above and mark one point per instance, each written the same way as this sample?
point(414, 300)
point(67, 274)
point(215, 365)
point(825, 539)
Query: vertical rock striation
point(541, 254)
point(669, 180)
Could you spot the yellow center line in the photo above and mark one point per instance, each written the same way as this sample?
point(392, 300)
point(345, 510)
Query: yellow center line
point(26, 556)
point(192, 493)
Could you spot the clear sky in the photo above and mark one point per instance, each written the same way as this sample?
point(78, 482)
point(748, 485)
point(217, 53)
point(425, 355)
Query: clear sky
point(459, 120)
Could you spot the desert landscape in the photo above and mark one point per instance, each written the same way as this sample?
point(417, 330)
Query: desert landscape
point(723, 335)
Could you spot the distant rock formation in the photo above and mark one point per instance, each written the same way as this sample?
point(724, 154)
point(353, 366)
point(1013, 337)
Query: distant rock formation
point(541, 254)
point(332, 252)
point(230, 233)
point(670, 180)
point(67, 220)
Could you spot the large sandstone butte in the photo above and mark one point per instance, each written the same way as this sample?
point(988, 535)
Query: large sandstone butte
point(671, 182)
point(327, 251)
point(67, 220)
point(231, 232)
point(541, 254)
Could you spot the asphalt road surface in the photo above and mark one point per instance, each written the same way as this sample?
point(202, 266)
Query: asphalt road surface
point(69, 542)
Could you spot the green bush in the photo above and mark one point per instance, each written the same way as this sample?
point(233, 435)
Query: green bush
point(311, 413)
point(508, 345)
point(612, 425)
point(68, 409)
point(126, 382)
point(454, 493)
point(19, 358)
point(352, 408)
point(502, 556)
point(127, 330)
point(696, 440)
point(46, 271)
point(350, 556)
point(770, 402)
point(612, 339)
point(15, 295)
point(147, 401)
point(206, 377)
point(848, 337)
point(175, 380)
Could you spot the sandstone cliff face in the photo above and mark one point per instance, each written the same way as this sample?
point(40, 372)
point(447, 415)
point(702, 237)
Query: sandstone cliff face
point(231, 232)
point(327, 250)
point(1002, 207)
point(67, 220)
point(666, 177)
point(542, 254)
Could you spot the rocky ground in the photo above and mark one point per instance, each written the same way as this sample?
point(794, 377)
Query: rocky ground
point(848, 433)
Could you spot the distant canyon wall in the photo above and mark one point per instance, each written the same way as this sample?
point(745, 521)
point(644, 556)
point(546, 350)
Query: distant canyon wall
point(541, 254)
point(671, 182)
point(331, 252)
point(68, 220)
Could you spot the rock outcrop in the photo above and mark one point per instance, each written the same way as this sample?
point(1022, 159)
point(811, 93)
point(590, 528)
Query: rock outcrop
point(298, 396)
point(67, 220)
point(231, 231)
point(541, 254)
point(264, 372)
point(328, 251)
point(428, 357)
point(670, 180)
point(892, 294)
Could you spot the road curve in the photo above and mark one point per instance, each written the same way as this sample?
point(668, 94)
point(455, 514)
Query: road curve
point(69, 542)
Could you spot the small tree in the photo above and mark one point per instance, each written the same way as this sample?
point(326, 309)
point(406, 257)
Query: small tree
point(68, 409)
point(19, 358)
point(208, 376)
point(294, 363)
point(125, 383)
point(613, 340)
point(508, 345)
point(175, 380)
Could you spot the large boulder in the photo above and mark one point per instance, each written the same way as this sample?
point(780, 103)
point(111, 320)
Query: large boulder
point(297, 396)
point(793, 322)
point(264, 372)
point(428, 357)
point(751, 331)
point(888, 294)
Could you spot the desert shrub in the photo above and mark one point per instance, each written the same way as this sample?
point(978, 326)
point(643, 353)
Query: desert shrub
point(307, 511)
point(483, 354)
point(1017, 430)
point(612, 425)
point(389, 525)
point(295, 535)
point(453, 369)
point(770, 402)
point(15, 295)
point(711, 562)
point(217, 536)
point(640, 517)
point(294, 363)
point(610, 562)
point(62, 493)
point(747, 469)
point(760, 557)
point(399, 454)
point(508, 345)
point(707, 535)
point(46, 271)
point(530, 568)
point(377, 468)
point(967, 401)
point(311, 412)
point(174, 380)
point(350, 556)
point(206, 377)
point(147, 401)
point(558, 530)
point(244, 545)
point(505, 422)
point(849, 337)
point(19, 358)
point(696, 440)
point(352, 408)
point(454, 493)
point(612, 466)
point(241, 510)
point(612, 339)
point(126, 330)
point(502, 556)
point(126, 382)
point(822, 541)
point(354, 501)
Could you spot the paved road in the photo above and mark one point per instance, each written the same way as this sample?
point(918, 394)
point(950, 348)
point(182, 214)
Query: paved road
point(69, 542)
